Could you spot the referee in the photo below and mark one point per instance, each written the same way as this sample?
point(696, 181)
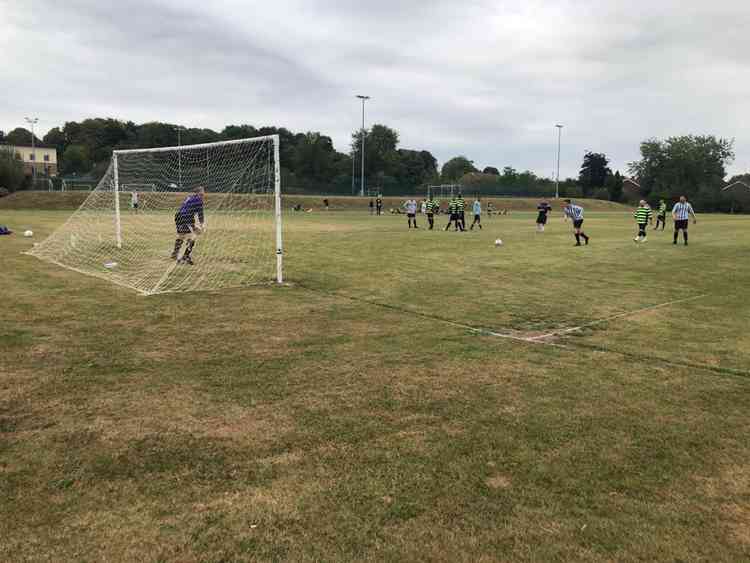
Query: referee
point(681, 213)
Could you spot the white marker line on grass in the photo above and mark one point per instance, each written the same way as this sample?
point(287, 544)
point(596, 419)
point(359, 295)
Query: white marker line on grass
point(485, 332)
point(614, 317)
point(480, 331)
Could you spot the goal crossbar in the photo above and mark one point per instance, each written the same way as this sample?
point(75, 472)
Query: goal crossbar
point(178, 148)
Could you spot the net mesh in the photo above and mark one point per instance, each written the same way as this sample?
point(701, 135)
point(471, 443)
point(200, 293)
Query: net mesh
point(237, 246)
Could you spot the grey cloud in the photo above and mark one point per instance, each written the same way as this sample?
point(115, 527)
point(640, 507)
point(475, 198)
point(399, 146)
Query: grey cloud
point(486, 79)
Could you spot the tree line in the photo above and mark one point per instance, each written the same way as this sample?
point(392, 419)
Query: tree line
point(691, 165)
point(309, 161)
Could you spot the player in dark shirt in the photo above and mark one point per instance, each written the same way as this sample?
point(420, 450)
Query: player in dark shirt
point(186, 226)
point(544, 209)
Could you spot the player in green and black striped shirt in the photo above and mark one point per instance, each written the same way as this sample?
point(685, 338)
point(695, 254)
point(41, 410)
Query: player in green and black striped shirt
point(431, 208)
point(453, 215)
point(642, 217)
point(661, 215)
point(461, 210)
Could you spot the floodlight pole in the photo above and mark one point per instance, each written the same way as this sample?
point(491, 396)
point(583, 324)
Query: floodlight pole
point(362, 181)
point(559, 141)
point(33, 121)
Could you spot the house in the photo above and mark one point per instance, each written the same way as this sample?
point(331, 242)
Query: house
point(41, 158)
point(631, 190)
point(738, 194)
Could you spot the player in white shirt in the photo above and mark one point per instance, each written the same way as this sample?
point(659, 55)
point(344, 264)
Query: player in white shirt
point(411, 212)
point(134, 201)
point(681, 213)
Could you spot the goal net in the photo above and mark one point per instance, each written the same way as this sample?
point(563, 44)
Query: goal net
point(236, 185)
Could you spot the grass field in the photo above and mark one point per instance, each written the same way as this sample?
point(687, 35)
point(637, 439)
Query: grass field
point(393, 402)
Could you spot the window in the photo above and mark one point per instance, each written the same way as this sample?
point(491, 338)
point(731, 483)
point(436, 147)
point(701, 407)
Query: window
point(31, 156)
point(46, 158)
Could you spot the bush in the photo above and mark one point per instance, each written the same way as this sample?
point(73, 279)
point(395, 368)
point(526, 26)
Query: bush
point(601, 193)
point(11, 173)
point(571, 192)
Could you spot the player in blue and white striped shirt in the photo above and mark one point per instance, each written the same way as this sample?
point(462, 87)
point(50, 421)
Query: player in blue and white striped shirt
point(681, 213)
point(575, 212)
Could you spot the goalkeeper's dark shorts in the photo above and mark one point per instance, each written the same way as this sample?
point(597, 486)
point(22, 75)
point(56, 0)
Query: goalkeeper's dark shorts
point(183, 224)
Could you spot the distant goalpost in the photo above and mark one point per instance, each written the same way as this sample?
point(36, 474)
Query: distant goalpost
point(139, 188)
point(242, 213)
point(443, 191)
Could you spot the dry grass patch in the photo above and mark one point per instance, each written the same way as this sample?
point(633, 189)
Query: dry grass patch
point(498, 482)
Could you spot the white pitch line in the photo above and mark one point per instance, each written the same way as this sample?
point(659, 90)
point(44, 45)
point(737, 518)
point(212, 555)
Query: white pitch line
point(485, 332)
point(614, 317)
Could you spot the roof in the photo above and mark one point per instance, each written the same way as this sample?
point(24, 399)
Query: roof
point(30, 147)
point(735, 184)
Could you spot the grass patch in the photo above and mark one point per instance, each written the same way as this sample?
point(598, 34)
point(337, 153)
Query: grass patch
point(343, 417)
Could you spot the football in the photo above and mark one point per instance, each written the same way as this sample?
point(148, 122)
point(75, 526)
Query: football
point(498, 242)
point(28, 233)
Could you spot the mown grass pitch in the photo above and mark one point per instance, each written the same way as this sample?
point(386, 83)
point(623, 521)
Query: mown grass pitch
point(363, 411)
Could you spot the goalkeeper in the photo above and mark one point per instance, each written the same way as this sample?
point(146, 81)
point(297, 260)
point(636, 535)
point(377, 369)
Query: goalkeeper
point(184, 221)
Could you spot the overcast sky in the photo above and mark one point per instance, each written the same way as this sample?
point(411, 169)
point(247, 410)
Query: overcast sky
point(488, 79)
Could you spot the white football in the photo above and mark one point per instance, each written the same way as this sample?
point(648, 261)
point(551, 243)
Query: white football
point(172, 186)
point(28, 233)
point(498, 242)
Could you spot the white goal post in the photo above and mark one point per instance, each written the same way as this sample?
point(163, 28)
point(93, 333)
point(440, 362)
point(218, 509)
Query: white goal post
point(209, 217)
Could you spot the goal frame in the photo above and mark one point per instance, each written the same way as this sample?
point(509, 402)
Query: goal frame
point(277, 187)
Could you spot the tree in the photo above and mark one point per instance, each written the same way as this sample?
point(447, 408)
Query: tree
point(55, 138)
point(491, 170)
point(613, 184)
point(594, 172)
point(21, 137)
point(456, 167)
point(11, 170)
point(76, 160)
point(379, 143)
point(313, 157)
point(689, 165)
point(412, 168)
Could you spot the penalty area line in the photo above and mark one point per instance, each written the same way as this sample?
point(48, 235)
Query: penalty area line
point(485, 332)
point(564, 331)
point(476, 330)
